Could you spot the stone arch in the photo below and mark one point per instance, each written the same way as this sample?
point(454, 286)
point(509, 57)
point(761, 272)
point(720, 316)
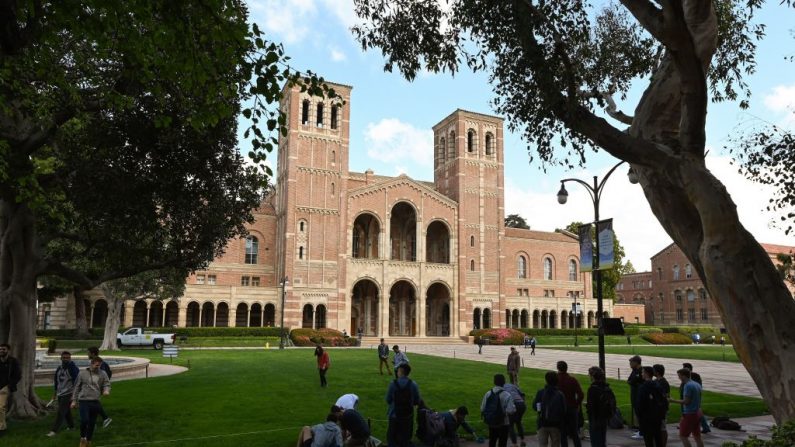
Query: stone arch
point(139, 313)
point(172, 313)
point(403, 231)
point(451, 151)
point(522, 270)
point(241, 315)
point(548, 264)
point(222, 315)
point(255, 315)
point(365, 307)
point(536, 319)
point(507, 317)
point(320, 316)
point(472, 141)
point(564, 319)
point(366, 232)
point(476, 318)
point(193, 314)
point(487, 318)
point(553, 319)
point(307, 316)
point(208, 314)
point(515, 318)
point(438, 304)
point(100, 313)
point(156, 314)
point(544, 319)
point(590, 319)
point(269, 315)
point(403, 308)
point(524, 319)
point(573, 269)
point(437, 242)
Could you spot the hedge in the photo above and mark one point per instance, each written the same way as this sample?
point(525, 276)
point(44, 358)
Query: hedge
point(580, 331)
point(66, 334)
point(324, 337)
point(98, 333)
point(502, 336)
point(667, 339)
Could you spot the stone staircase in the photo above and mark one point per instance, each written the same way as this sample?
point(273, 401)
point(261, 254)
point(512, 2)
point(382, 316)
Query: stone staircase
point(372, 342)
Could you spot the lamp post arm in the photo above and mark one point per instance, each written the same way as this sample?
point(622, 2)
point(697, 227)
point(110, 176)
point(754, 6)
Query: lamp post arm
point(601, 186)
point(589, 188)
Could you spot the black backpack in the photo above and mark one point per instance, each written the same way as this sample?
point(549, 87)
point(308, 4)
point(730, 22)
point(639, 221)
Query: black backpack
point(616, 421)
point(724, 423)
point(552, 413)
point(403, 401)
point(659, 403)
point(606, 403)
point(493, 413)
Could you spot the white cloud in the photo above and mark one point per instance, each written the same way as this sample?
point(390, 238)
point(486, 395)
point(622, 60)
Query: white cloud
point(288, 19)
point(337, 55)
point(637, 228)
point(343, 11)
point(391, 140)
point(782, 99)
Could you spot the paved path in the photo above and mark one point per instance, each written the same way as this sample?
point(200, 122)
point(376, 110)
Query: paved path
point(724, 377)
point(155, 370)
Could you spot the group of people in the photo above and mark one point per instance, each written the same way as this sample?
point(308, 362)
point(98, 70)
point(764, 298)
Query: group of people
point(73, 388)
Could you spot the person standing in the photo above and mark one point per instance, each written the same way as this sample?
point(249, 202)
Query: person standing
point(402, 396)
point(533, 346)
point(93, 352)
point(665, 389)
point(480, 345)
point(691, 409)
point(399, 359)
point(64, 381)
point(323, 364)
point(91, 384)
point(516, 426)
point(10, 375)
point(497, 407)
point(572, 391)
point(652, 406)
point(696, 377)
point(514, 363)
point(635, 380)
point(383, 357)
point(551, 407)
point(601, 406)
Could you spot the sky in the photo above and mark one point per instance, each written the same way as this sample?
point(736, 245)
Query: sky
point(391, 122)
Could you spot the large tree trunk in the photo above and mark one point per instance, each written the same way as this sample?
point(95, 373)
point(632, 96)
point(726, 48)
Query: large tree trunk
point(24, 401)
point(113, 321)
point(81, 321)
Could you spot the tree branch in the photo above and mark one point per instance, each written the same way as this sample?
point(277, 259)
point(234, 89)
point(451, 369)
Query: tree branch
point(611, 109)
point(648, 15)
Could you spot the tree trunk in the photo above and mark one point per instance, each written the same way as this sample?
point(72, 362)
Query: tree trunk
point(113, 321)
point(24, 401)
point(81, 323)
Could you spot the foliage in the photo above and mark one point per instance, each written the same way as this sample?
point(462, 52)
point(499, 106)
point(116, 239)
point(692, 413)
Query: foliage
point(783, 436)
point(52, 346)
point(501, 336)
point(786, 266)
point(516, 221)
point(610, 277)
point(324, 337)
point(228, 331)
point(667, 338)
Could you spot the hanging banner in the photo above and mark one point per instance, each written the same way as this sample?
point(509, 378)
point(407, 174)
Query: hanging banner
point(586, 248)
point(604, 230)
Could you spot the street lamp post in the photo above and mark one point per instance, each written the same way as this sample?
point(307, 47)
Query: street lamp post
point(284, 284)
point(595, 192)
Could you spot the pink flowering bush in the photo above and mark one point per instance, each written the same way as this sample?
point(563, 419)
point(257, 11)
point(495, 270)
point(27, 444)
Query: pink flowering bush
point(500, 336)
point(325, 337)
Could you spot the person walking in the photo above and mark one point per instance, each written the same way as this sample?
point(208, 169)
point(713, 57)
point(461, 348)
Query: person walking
point(10, 375)
point(93, 352)
point(402, 396)
point(652, 407)
point(690, 399)
point(496, 408)
point(516, 427)
point(514, 363)
point(399, 359)
point(480, 345)
point(635, 380)
point(551, 407)
point(533, 346)
point(665, 389)
point(696, 377)
point(91, 384)
point(383, 358)
point(601, 406)
point(572, 391)
point(526, 341)
point(64, 381)
point(323, 364)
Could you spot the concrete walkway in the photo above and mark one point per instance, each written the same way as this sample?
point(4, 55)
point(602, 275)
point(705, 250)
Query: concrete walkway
point(154, 370)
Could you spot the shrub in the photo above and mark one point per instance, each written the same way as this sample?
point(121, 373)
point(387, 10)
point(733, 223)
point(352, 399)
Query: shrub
point(667, 339)
point(783, 436)
point(71, 334)
point(580, 331)
point(324, 337)
point(52, 346)
point(500, 336)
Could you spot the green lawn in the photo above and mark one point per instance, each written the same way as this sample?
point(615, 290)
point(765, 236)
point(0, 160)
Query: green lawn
point(259, 397)
point(568, 340)
point(694, 352)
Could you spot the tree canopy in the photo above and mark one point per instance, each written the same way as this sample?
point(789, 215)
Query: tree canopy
point(516, 221)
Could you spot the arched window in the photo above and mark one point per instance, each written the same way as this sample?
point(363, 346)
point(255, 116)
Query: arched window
point(702, 294)
point(333, 156)
point(691, 296)
point(486, 318)
point(334, 112)
point(489, 144)
point(688, 271)
point(547, 268)
point(451, 146)
point(301, 225)
point(471, 241)
point(252, 249)
point(521, 267)
point(572, 270)
point(301, 252)
point(442, 149)
point(676, 271)
point(305, 112)
point(659, 273)
point(472, 265)
point(470, 141)
point(332, 190)
point(320, 114)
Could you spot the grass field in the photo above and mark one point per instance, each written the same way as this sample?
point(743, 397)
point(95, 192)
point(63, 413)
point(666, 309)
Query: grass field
point(262, 397)
point(694, 352)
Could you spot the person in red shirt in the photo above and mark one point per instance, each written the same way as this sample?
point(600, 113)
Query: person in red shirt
point(322, 364)
point(572, 391)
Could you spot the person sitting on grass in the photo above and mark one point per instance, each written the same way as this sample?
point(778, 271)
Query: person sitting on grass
point(453, 420)
point(355, 430)
point(327, 434)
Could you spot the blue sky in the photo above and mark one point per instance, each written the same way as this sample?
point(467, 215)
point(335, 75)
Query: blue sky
point(391, 123)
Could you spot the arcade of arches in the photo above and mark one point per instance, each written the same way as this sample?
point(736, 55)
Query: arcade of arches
point(539, 319)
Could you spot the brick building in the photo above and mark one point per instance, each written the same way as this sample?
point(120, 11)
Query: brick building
point(672, 292)
point(390, 255)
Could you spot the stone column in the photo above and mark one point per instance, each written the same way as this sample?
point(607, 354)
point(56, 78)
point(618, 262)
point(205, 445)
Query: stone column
point(91, 316)
point(182, 314)
point(421, 326)
point(232, 316)
point(163, 314)
point(129, 305)
point(384, 317)
point(215, 315)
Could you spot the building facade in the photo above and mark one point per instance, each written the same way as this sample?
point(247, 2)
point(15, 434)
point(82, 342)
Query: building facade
point(391, 256)
point(672, 292)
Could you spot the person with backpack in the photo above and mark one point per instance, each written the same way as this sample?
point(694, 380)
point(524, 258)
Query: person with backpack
point(453, 420)
point(533, 346)
point(383, 358)
point(691, 409)
point(514, 363)
point(635, 380)
point(652, 407)
point(355, 430)
point(496, 408)
point(572, 391)
point(696, 377)
point(323, 363)
point(515, 425)
point(64, 381)
point(600, 406)
point(665, 389)
point(401, 397)
point(551, 407)
point(399, 359)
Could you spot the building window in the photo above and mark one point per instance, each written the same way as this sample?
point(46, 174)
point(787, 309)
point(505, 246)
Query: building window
point(489, 144)
point(471, 241)
point(451, 144)
point(547, 268)
point(252, 248)
point(334, 112)
point(255, 281)
point(549, 293)
point(676, 272)
point(333, 189)
point(471, 141)
point(691, 314)
point(301, 252)
point(688, 271)
point(678, 295)
point(320, 115)
point(572, 270)
point(199, 279)
point(691, 296)
point(662, 297)
point(659, 273)
point(702, 294)
point(521, 267)
point(442, 148)
point(704, 314)
point(679, 315)
point(305, 112)
point(301, 226)
point(526, 292)
point(650, 284)
point(211, 280)
point(244, 281)
point(333, 156)
point(472, 265)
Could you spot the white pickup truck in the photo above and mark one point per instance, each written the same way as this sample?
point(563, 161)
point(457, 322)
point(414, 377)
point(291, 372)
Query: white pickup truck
point(136, 336)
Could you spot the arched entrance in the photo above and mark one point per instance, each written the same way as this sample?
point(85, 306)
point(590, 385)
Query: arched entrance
point(437, 243)
point(100, 313)
point(403, 232)
point(307, 318)
point(553, 318)
point(564, 319)
point(139, 314)
point(476, 318)
point(172, 314)
point(320, 317)
point(270, 315)
point(507, 317)
point(241, 315)
point(192, 316)
point(156, 314)
point(515, 318)
point(402, 309)
point(437, 311)
point(487, 318)
point(255, 317)
point(536, 318)
point(524, 317)
point(365, 305)
point(366, 230)
point(222, 315)
point(544, 319)
point(208, 314)
point(590, 319)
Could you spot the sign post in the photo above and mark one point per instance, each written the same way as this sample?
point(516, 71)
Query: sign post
point(171, 351)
